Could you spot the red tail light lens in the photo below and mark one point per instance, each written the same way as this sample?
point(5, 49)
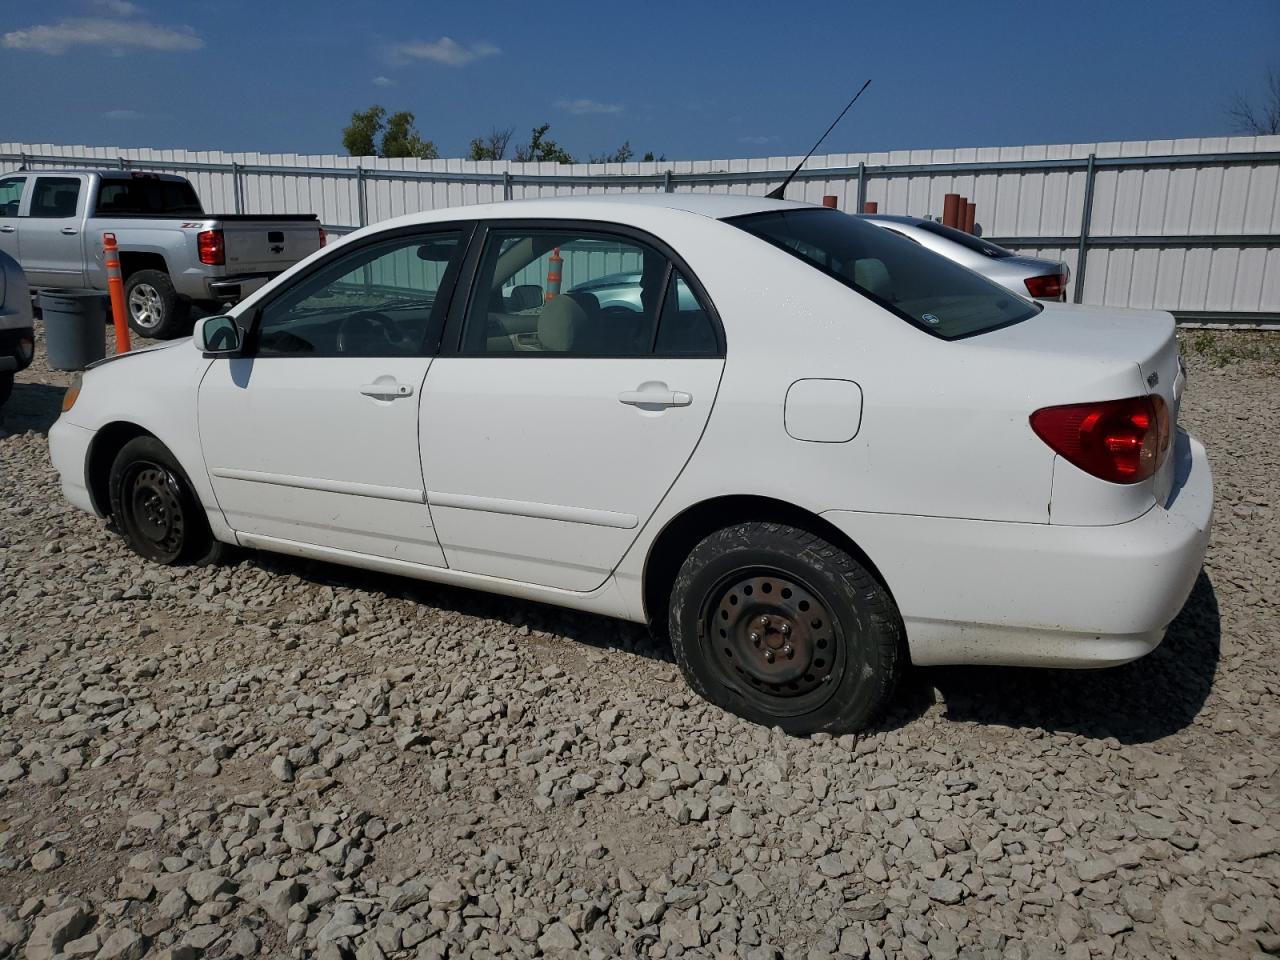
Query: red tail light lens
point(1122, 441)
point(324, 236)
point(212, 248)
point(1052, 286)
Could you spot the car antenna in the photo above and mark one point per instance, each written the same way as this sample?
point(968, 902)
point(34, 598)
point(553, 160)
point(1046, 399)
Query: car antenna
point(778, 191)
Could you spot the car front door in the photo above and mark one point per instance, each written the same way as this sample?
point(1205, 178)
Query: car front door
point(10, 201)
point(554, 423)
point(311, 437)
point(49, 232)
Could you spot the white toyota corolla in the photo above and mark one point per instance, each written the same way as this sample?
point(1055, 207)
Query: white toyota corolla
point(806, 448)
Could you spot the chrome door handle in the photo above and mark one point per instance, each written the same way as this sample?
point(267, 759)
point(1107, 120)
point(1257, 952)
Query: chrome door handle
point(70, 231)
point(7, 228)
point(387, 390)
point(660, 397)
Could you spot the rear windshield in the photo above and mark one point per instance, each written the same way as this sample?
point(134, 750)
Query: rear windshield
point(143, 196)
point(976, 244)
point(925, 289)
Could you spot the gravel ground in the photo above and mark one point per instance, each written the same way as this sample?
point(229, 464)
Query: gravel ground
point(284, 758)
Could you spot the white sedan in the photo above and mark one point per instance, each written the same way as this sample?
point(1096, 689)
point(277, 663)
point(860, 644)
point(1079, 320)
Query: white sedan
point(805, 448)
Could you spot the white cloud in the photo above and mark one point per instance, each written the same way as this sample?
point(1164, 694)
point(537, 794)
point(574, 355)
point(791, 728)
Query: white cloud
point(446, 50)
point(124, 115)
point(120, 8)
point(383, 82)
point(758, 141)
point(116, 35)
point(588, 106)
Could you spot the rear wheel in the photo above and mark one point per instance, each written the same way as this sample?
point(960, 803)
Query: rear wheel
point(779, 626)
point(155, 309)
point(155, 509)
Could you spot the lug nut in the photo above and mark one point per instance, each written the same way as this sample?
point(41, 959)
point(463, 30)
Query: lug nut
point(764, 621)
point(755, 638)
point(768, 655)
point(786, 629)
point(788, 650)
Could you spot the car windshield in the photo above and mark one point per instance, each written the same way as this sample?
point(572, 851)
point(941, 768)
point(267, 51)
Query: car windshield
point(920, 286)
point(967, 240)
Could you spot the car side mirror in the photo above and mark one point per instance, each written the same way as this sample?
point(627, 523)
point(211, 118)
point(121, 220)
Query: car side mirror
point(219, 336)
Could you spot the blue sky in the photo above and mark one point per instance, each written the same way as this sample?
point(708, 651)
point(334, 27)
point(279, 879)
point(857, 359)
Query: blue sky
point(691, 80)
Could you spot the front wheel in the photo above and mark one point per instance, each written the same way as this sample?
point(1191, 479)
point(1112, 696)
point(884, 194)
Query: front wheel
point(777, 625)
point(155, 309)
point(155, 509)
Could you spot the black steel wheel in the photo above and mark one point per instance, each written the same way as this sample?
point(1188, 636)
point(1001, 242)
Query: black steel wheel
point(154, 508)
point(779, 626)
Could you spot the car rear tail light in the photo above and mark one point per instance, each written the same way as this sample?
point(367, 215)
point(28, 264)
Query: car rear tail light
point(1122, 441)
point(1052, 286)
point(212, 247)
point(324, 236)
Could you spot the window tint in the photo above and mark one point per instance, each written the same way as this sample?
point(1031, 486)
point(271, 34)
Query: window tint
point(55, 197)
point(377, 301)
point(147, 196)
point(11, 195)
point(926, 289)
point(610, 290)
point(685, 330)
point(968, 240)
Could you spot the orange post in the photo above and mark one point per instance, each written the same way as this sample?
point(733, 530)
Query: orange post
point(830, 200)
point(951, 210)
point(553, 275)
point(115, 286)
point(871, 206)
point(970, 211)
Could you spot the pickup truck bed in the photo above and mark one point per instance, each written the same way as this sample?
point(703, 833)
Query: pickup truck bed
point(172, 253)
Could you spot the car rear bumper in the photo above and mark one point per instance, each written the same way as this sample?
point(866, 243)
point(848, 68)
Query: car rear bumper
point(1024, 594)
point(234, 289)
point(69, 452)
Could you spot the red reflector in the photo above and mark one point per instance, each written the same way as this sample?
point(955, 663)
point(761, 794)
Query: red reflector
point(212, 248)
point(324, 237)
point(1052, 286)
point(1122, 441)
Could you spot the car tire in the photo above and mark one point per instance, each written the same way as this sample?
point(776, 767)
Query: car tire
point(6, 386)
point(155, 309)
point(155, 509)
point(779, 626)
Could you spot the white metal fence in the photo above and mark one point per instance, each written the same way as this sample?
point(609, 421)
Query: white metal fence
point(1190, 225)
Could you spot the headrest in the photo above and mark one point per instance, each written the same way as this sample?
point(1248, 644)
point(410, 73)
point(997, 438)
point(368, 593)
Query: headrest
point(558, 324)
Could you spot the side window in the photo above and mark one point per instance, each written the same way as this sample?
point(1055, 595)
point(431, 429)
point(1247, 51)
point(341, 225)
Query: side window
point(11, 195)
point(376, 301)
point(55, 198)
point(572, 293)
point(685, 330)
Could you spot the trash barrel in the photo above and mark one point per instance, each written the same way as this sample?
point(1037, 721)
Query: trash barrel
point(75, 332)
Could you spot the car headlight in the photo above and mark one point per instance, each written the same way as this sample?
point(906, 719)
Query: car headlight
point(73, 392)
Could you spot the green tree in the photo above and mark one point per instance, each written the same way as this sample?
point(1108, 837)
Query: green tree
point(621, 155)
point(492, 146)
point(650, 158)
point(361, 134)
point(401, 139)
point(540, 148)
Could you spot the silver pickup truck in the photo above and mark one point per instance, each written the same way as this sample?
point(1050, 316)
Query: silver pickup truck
point(172, 253)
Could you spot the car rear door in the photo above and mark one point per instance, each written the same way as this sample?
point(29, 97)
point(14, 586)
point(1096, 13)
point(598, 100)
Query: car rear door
point(10, 201)
point(552, 425)
point(50, 231)
point(312, 436)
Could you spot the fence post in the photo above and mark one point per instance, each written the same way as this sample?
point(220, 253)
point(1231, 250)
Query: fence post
point(235, 186)
point(862, 186)
point(506, 184)
point(360, 211)
point(1086, 215)
point(667, 185)
point(120, 162)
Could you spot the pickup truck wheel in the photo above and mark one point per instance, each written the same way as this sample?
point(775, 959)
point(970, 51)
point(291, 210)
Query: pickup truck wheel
point(155, 309)
point(156, 510)
point(779, 626)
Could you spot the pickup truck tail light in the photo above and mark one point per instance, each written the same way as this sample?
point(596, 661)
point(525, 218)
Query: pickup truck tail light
point(1052, 286)
point(1122, 441)
point(212, 247)
point(324, 237)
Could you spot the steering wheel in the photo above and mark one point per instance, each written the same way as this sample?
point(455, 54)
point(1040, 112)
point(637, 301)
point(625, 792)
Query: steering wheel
point(367, 332)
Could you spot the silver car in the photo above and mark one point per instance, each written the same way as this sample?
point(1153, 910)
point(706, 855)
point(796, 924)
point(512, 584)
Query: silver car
point(1042, 279)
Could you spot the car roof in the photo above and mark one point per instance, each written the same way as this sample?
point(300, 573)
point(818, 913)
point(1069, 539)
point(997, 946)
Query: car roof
point(105, 174)
point(894, 218)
